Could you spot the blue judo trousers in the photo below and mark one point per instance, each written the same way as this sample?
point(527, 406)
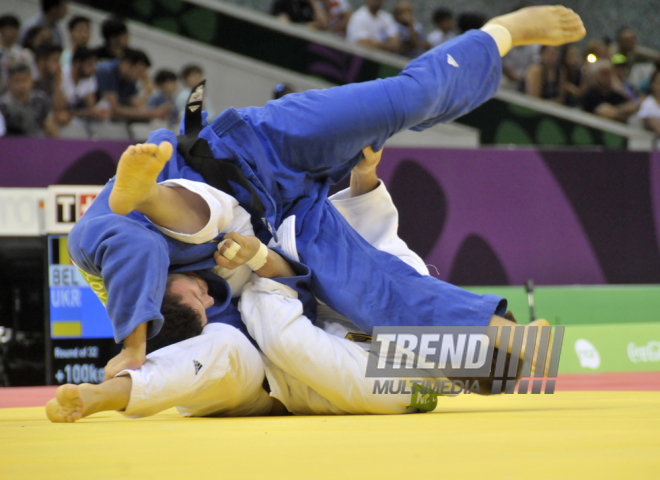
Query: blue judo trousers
point(291, 151)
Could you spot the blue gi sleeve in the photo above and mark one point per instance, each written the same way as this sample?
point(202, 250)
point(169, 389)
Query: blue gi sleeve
point(130, 257)
point(323, 131)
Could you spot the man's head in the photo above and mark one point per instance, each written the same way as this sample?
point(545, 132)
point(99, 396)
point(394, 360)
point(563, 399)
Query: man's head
point(602, 75)
point(443, 18)
point(47, 59)
point(374, 5)
point(37, 36)
point(549, 56)
point(9, 28)
point(115, 34)
point(627, 40)
point(83, 62)
point(403, 13)
point(191, 75)
point(79, 31)
point(184, 308)
point(19, 81)
point(166, 81)
point(133, 65)
point(54, 10)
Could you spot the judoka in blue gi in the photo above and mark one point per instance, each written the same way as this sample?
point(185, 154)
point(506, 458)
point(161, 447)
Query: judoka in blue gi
point(278, 161)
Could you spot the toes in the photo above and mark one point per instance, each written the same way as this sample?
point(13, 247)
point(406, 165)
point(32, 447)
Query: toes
point(163, 151)
point(131, 150)
point(150, 148)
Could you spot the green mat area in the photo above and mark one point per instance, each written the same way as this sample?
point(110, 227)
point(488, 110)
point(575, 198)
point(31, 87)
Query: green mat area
point(580, 305)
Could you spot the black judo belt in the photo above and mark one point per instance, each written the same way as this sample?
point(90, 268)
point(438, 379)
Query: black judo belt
point(198, 155)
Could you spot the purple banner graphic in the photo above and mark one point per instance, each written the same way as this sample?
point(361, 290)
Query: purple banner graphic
point(500, 217)
point(39, 162)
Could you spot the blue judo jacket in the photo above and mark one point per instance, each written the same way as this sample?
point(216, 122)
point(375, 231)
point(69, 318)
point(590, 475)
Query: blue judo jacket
point(290, 151)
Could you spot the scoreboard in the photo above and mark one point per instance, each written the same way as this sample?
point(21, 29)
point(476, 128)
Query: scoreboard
point(80, 339)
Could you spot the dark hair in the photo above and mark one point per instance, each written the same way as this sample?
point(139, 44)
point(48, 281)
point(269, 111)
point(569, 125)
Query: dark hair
point(470, 21)
point(48, 5)
point(18, 68)
point(181, 323)
point(9, 21)
point(188, 70)
point(113, 27)
point(281, 90)
point(441, 14)
point(83, 54)
point(45, 51)
point(31, 34)
point(135, 57)
point(163, 76)
point(76, 20)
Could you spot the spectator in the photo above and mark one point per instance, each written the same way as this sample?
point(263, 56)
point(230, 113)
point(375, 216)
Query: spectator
point(79, 34)
point(470, 21)
point(338, 12)
point(118, 86)
point(191, 75)
point(52, 12)
point(571, 63)
point(596, 50)
point(37, 37)
point(49, 80)
point(412, 37)
point(517, 61)
point(650, 109)
point(545, 79)
point(621, 68)
point(79, 86)
point(443, 19)
point(601, 99)
point(626, 44)
point(10, 51)
point(166, 87)
point(281, 90)
point(116, 39)
point(309, 12)
point(25, 111)
point(373, 27)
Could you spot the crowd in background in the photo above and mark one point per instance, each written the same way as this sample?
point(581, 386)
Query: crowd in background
point(45, 88)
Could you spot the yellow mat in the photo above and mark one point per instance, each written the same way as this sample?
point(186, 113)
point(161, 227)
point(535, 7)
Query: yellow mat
point(582, 435)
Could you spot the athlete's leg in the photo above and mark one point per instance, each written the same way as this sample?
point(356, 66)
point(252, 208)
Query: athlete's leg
point(323, 131)
point(218, 373)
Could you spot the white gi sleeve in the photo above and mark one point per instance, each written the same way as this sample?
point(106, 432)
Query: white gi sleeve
point(374, 216)
point(218, 373)
point(226, 214)
point(309, 370)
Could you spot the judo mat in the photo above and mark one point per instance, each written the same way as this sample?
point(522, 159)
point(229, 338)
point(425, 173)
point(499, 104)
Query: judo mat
point(571, 434)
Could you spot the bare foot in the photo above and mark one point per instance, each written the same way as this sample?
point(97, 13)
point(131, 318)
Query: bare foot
point(364, 178)
point(68, 404)
point(137, 172)
point(546, 25)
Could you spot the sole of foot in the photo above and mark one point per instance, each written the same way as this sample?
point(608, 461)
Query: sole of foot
point(545, 25)
point(137, 172)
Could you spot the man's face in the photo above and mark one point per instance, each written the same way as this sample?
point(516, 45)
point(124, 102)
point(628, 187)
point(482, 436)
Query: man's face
point(603, 78)
point(169, 88)
point(194, 293)
point(61, 10)
point(374, 5)
point(627, 40)
point(52, 66)
point(20, 85)
point(193, 79)
point(87, 68)
point(80, 34)
point(132, 73)
point(9, 35)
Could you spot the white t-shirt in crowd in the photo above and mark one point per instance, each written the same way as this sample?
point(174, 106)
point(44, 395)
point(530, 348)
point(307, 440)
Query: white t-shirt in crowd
point(364, 25)
point(650, 108)
point(76, 95)
point(437, 36)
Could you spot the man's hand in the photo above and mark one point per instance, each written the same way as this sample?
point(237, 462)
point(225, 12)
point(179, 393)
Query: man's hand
point(132, 356)
point(249, 248)
point(363, 177)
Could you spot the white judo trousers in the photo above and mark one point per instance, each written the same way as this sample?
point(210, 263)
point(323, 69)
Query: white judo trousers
point(311, 369)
